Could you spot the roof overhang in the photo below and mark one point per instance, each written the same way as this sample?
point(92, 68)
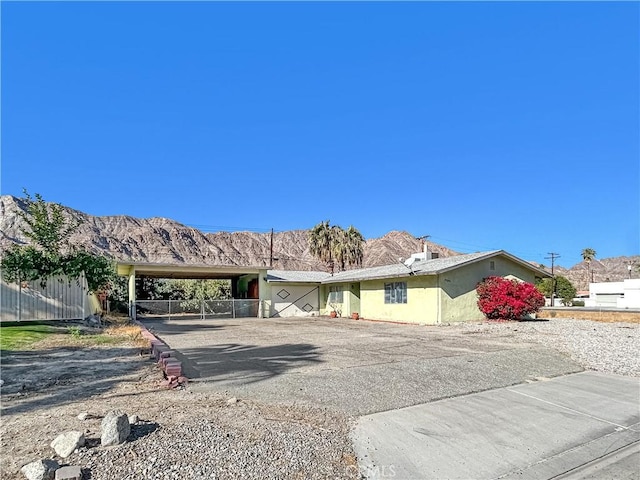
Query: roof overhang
point(166, 270)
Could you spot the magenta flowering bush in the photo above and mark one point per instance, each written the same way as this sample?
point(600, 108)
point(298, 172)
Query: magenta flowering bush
point(503, 299)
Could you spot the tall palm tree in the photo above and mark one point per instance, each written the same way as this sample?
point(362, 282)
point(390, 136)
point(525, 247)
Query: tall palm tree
point(588, 254)
point(331, 244)
point(354, 246)
point(321, 242)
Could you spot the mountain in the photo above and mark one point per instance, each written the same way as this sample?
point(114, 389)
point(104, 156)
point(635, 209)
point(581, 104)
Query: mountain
point(161, 240)
point(614, 269)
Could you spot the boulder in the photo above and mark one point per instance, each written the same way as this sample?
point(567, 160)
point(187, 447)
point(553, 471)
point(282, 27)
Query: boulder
point(115, 428)
point(93, 321)
point(66, 443)
point(40, 469)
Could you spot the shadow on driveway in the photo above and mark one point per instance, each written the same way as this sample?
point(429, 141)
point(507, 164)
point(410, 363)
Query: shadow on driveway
point(246, 363)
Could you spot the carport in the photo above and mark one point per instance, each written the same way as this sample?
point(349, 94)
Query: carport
point(246, 282)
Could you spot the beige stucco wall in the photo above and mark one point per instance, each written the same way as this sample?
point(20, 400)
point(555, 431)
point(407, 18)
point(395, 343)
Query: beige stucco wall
point(421, 306)
point(458, 287)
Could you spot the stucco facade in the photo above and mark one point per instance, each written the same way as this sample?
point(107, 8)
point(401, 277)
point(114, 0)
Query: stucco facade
point(457, 288)
point(427, 292)
point(421, 306)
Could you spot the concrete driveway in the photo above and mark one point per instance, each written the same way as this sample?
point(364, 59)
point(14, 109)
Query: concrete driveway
point(356, 367)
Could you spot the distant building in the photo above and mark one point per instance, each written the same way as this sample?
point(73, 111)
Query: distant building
point(625, 294)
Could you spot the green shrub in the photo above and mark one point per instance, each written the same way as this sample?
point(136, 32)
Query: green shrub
point(75, 332)
point(577, 303)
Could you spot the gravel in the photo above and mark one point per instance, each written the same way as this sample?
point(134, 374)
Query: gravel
point(237, 440)
point(605, 347)
point(185, 434)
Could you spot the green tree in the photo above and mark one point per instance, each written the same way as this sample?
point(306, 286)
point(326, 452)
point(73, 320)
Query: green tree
point(48, 229)
point(333, 244)
point(588, 254)
point(565, 290)
point(46, 225)
point(199, 289)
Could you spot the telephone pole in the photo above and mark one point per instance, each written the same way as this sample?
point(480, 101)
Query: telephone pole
point(271, 250)
point(553, 277)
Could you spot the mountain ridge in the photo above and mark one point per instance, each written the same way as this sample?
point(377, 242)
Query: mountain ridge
point(163, 240)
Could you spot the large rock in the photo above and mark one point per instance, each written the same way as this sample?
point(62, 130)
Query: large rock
point(66, 443)
point(115, 428)
point(40, 469)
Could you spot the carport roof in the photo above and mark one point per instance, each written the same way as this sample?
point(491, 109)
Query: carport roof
point(172, 270)
point(424, 267)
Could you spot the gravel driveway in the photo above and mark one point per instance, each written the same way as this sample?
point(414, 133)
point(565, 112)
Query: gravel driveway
point(354, 367)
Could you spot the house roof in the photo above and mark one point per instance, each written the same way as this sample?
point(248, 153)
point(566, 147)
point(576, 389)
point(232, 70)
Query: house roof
point(424, 267)
point(293, 276)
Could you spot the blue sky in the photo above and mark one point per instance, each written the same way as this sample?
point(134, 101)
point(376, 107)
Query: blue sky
point(485, 125)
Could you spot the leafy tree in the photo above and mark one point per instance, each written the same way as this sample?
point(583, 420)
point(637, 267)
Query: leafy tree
point(49, 229)
point(564, 288)
point(194, 292)
point(333, 244)
point(588, 254)
point(46, 224)
point(199, 289)
point(500, 298)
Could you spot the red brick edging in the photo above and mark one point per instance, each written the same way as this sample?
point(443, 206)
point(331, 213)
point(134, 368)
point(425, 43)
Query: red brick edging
point(165, 357)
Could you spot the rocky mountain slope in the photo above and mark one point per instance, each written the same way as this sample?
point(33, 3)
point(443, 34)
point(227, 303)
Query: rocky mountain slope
point(161, 240)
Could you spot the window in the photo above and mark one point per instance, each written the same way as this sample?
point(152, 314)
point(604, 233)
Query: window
point(492, 265)
point(335, 295)
point(395, 292)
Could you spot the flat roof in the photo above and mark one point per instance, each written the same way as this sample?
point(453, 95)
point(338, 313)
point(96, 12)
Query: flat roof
point(172, 270)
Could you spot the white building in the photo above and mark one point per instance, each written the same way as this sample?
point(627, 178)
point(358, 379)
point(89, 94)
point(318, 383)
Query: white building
point(625, 294)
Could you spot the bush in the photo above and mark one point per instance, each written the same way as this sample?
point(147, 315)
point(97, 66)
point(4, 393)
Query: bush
point(499, 298)
point(577, 303)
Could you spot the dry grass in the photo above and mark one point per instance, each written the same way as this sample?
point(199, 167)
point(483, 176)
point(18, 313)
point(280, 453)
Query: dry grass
point(127, 332)
point(597, 316)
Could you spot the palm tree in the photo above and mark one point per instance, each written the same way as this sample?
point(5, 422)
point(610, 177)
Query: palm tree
point(354, 242)
point(321, 242)
point(348, 247)
point(588, 254)
point(331, 244)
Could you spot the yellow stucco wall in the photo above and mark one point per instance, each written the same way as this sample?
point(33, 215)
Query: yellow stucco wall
point(421, 306)
point(350, 299)
point(458, 287)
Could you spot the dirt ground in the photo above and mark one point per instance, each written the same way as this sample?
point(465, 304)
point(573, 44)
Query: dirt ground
point(47, 386)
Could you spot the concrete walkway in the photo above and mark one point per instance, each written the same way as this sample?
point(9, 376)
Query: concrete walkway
point(584, 425)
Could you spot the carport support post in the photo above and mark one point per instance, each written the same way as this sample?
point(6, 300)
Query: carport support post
point(132, 293)
point(264, 295)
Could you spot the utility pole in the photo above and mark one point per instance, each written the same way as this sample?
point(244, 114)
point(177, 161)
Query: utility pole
point(271, 251)
point(553, 277)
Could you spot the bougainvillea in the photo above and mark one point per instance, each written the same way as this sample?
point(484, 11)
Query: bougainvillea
point(503, 299)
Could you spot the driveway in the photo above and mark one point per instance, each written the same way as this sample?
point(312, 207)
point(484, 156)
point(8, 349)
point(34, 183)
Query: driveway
point(432, 402)
point(355, 367)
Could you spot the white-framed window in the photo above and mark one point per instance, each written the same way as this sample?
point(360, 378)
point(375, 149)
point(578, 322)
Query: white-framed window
point(492, 265)
point(336, 294)
point(395, 292)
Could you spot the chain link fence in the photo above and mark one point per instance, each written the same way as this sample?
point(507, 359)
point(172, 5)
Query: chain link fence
point(206, 309)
